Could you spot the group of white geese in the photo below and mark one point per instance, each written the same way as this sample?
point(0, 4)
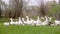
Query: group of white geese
point(32, 22)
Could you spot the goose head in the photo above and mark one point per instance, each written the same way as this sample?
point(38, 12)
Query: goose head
point(11, 19)
point(27, 18)
point(42, 17)
point(23, 19)
point(31, 19)
point(38, 18)
point(46, 19)
point(50, 18)
point(19, 18)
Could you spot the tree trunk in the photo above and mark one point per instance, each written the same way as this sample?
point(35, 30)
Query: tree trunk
point(42, 8)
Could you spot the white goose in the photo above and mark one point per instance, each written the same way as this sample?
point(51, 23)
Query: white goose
point(38, 22)
point(6, 23)
point(28, 22)
point(50, 20)
point(23, 21)
point(42, 17)
point(20, 22)
point(33, 22)
point(57, 22)
point(16, 23)
point(46, 21)
point(11, 21)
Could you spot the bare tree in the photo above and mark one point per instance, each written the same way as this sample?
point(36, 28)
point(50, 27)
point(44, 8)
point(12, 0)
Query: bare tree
point(17, 8)
point(5, 12)
point(0, 8)
point(42, 8)
point(59, 1)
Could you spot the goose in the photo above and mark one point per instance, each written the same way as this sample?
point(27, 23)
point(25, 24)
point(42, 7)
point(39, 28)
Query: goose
point(53, 24)
point(50, 21)
point(38, 22)
point(42, 17)
point(57, 22)
point(28, 22)
point(50, 18)
point(24, 21)
point(33, 22)
point(16, 23)
point(11, 21)
point(46, 21)
point(20, 22)
point(27, 18)
point(6, 23)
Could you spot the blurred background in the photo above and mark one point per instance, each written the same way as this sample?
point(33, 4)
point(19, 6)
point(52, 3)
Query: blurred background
point(22, 8)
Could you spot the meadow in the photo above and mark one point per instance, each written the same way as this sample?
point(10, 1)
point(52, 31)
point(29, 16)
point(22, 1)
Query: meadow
point(15, 29)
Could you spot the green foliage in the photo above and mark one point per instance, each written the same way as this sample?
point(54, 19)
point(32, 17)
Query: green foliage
point(54, 9)
point(53, 20)
point(35, 17)
point(2, 20)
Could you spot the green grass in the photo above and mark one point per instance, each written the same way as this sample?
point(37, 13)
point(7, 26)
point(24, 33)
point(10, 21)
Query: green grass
point(2, 20)
point(13, 29)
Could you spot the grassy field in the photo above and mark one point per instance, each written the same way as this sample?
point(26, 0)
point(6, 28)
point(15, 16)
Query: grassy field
point(13, 29)
point(29, 29)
